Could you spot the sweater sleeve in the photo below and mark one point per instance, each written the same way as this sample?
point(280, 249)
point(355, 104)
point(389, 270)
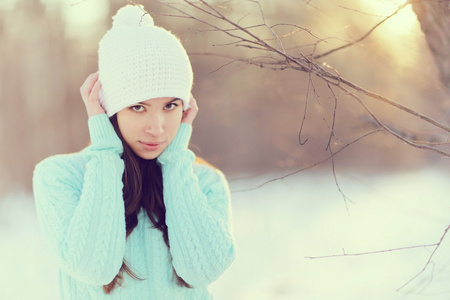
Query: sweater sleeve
point(197, 214)
point(81, 214)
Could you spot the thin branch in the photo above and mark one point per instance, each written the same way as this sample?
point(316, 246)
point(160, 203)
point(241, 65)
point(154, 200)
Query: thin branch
point(296, 26)
point(334, 117)
point(359, 11)
point(222, 66)
point(233, 29)
point(221, 17)
point(390, 131)
point(310, 166)
point(300, 131)
point(430, 280)
point(429, 259)
point(344, 254)
point(447, 142)
point(239, 21)
point(268, 27)
point(79, 2)
point(338, 81)
point(304, 64)
point(299, 28)
point(256, 40)
point(397, 105)
point(363, 37)
point(298, 63)
point(333, 169)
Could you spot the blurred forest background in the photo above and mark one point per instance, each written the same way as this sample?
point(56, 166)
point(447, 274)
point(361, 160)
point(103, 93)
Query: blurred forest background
point(250, 117)
point(257, 124)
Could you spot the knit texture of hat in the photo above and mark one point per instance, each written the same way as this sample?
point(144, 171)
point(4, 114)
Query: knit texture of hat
point(138, 61)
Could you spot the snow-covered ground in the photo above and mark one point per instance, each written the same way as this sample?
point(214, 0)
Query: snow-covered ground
point(280, 224)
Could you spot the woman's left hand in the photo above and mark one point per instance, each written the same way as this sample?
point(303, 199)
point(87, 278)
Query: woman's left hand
point(190, 114)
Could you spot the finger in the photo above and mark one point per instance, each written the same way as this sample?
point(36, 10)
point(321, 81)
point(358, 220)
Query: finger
point(193, 102)
point(88, 84)
point(89, 80)
point(93, 96)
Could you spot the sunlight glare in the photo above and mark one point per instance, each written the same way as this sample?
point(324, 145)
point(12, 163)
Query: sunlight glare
point(404, 22)
point(401, 32)
point(82, 17)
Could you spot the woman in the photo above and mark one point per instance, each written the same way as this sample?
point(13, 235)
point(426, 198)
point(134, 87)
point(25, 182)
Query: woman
point(133, 216)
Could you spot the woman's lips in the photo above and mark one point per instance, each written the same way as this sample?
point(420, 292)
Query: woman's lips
point(152, 146)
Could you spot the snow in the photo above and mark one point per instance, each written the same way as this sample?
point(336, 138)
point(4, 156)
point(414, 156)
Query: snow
point(280, 224)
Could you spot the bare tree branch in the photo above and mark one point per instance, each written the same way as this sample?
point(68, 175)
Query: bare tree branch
point(429, 261)
point(345, 254)
point(436, 247)
point(270, 28)
point(338, 186)
point(278, 58)
point(334, 118)
point(338, 81)
point(310, 84)
point(364, 36)
point(297, 63)
point(282, 61)
point(390, 131)
point(310, 166)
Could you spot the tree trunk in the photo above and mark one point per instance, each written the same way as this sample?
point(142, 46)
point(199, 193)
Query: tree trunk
point(434, 18)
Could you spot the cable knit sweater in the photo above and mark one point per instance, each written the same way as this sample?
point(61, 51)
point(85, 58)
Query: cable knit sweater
point(81, 213)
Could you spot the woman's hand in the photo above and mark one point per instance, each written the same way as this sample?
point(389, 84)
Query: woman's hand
point(89, 92)
point(190, 114)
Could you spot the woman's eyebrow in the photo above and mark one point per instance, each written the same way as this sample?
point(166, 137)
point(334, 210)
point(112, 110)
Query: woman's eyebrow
point(173, 100)
point(143, 103)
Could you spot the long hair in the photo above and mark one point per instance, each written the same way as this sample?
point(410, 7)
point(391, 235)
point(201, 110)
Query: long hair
point(142, 188)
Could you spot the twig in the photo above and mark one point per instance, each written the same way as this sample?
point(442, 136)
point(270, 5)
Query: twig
point(334, 117)
point(310, 166)
point(337, 81)
point(79, 2)
point(268, 27)
point(329, 148)
point(298, 63)
point(222, 66)
point(359, 11)
point(345, 198)
point(429, 259)
point(363, 37)
point(300, 131)
point(344, 254)
point(390, 131)
point(304, 64)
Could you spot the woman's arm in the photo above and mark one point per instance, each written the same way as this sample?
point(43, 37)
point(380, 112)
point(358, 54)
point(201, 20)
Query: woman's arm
point(198, 219)
point(79, 199)
point(82, 213)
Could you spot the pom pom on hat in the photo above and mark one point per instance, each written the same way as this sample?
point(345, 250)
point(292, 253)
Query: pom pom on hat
point(139, 61)
point(132, 15)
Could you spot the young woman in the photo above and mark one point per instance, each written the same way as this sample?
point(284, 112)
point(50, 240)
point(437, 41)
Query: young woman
point(135, 215)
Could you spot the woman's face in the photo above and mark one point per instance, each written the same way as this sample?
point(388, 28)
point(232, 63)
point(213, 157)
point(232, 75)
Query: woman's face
point(148, 127)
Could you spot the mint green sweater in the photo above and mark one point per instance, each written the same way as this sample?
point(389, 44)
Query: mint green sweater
point(81, 214)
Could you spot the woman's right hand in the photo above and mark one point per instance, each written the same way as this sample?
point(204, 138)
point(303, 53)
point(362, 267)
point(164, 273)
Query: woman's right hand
point(89, 92)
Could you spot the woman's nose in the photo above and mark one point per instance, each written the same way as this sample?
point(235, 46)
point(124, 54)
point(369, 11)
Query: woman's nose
point(155, 125)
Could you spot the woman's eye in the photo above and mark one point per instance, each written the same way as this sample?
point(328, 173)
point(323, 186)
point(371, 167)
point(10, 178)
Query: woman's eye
point(170, 106)
point(137, 108)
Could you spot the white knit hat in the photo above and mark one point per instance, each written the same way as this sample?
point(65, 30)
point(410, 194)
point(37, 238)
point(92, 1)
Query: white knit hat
point(138, 61)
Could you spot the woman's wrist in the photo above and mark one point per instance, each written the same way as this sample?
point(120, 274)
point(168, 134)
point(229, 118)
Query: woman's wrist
point(102, 133)
point(182, 138)
point(180, 142)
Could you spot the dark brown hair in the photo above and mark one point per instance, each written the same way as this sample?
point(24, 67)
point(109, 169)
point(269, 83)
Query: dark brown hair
point(142, 188)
